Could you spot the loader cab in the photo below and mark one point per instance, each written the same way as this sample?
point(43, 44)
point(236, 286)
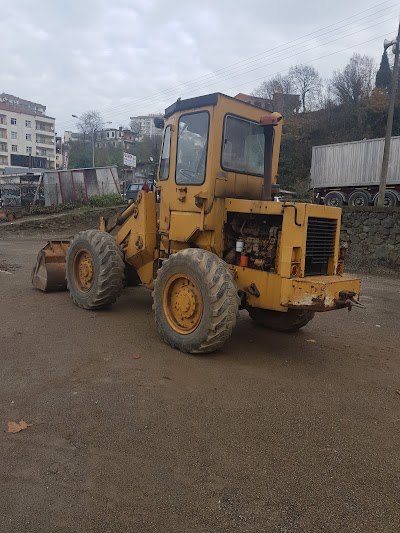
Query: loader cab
point(213, 147)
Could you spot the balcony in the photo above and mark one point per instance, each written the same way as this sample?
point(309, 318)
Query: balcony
point(41, 139)
point(3, 148)
point(45, 127)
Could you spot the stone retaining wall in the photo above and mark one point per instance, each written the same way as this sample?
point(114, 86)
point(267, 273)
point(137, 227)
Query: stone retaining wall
point(372, 238)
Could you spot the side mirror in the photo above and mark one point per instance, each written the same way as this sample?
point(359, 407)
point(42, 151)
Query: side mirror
point(159, 123)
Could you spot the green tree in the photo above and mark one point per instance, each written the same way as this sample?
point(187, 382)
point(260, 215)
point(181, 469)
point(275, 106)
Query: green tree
point(384, 75)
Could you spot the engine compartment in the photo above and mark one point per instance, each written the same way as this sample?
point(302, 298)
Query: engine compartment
point(252, 240)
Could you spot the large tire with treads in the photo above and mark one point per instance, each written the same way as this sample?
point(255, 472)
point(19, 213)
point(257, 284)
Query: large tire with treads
point(195, 301)
point(94, 269)
point(292, 320)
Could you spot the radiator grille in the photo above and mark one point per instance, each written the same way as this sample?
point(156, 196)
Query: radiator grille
point(321, 233)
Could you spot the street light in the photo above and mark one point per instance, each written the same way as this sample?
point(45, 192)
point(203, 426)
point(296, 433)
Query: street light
point(389, 125)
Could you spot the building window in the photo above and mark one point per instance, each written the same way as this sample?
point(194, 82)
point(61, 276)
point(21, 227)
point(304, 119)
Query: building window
point(29, 149)
point(14, 135)
point(14, 148)
point(28, 137)
point(28, 124)
point(13, 121)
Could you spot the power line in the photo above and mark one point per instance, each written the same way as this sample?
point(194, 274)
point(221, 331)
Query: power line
point(166, 92)
point(139, 102)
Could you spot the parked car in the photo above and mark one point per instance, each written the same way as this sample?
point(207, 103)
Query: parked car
point(133, 189)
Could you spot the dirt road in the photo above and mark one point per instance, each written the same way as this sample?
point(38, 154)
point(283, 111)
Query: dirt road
point(275, 433)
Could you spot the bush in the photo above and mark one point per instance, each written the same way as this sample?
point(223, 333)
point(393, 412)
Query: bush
point(108, 200)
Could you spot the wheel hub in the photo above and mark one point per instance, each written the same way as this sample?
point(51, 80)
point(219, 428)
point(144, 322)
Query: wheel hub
point(84, 270)
point(185, 302)
point(182, 303)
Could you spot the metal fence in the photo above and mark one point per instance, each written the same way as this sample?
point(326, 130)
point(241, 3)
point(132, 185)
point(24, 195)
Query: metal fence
point(56, 188)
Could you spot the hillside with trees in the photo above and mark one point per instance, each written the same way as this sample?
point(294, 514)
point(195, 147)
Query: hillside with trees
point(350, 106)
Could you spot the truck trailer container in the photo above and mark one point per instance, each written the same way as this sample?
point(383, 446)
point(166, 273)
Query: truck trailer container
point(348, 173)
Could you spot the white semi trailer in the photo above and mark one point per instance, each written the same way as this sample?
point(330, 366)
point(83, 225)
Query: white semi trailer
point(348, 173)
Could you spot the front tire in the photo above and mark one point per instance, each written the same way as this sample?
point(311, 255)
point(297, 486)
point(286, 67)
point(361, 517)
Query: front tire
point(94, 270)
point(195, 301)
point(292, 320)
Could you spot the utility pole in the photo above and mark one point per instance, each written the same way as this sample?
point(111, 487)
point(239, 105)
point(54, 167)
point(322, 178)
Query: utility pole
point(389, 124)
point(93, 145)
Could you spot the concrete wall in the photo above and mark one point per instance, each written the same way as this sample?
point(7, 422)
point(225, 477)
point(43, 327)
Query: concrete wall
point(372, 238)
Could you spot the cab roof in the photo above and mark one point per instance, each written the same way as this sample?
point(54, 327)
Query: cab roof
point(201, 101)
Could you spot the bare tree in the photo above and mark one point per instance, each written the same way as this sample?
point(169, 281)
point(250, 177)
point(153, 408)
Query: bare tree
point(355, 82)
point(277, 84)
point(307, 83)
point(135, 127)
point(90, 122)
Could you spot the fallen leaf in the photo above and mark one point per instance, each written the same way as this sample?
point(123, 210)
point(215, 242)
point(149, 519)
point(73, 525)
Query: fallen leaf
point(136, 356)
point(398, 391)
point(377, 325)
point(16, 427)
point(311, 340)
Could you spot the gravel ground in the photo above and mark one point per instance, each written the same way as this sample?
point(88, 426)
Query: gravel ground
point(274, 433)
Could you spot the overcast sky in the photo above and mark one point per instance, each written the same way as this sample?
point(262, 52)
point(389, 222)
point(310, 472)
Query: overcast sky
point(129, 57)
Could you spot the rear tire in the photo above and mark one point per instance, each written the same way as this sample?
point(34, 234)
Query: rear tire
point(359, 199)
point(292, 320)
point(94, 269)
point(334, 199)
point(391, 199)
point(196, 301)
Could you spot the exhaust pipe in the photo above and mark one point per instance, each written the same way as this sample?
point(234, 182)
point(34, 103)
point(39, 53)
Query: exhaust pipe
point(268, 122)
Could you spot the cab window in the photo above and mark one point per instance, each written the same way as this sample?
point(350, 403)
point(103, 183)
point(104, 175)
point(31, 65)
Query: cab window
point(243, 146)
point(191, 155)
point(165, 155)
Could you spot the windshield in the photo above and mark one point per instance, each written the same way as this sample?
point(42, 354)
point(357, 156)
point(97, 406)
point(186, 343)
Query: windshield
point(243, 146)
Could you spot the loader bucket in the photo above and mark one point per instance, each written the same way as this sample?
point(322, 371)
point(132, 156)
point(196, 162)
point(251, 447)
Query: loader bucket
point(48, 274)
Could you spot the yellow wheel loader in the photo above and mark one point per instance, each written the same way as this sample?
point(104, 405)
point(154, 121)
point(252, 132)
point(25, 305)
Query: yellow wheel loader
point(217, 242)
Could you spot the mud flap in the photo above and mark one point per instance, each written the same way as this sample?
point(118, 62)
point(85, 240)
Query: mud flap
point(48, 274)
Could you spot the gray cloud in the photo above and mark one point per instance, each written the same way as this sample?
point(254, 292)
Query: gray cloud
point(115, 55)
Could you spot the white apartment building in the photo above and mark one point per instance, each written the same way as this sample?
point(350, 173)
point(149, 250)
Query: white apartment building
point(143, 125)
point(27, 137)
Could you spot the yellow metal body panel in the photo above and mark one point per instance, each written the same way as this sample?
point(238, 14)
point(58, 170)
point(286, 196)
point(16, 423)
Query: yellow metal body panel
point(184, 226)
point(138, 237)
point(316, 292)
point(267, 283)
